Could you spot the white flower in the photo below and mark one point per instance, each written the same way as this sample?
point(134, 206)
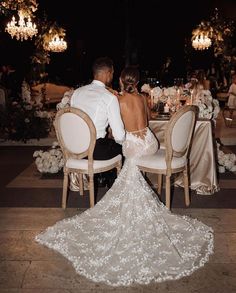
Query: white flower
point(208, 107)
point(54, 144)
point(65, 101)
point(172, 91)
point(221, 169)
point(146, 88)
point(36, 154)
point(50, 161)
point(225, 161)
point(233, 169)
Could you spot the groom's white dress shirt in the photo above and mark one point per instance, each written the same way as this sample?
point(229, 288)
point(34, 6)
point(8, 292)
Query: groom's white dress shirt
point(102, 107)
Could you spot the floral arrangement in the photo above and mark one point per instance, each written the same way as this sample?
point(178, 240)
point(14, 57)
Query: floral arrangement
point(65, 101)
point(27, 6)
point(225, 161)
point(24, 119)
point(50, 161)
point(208, 107)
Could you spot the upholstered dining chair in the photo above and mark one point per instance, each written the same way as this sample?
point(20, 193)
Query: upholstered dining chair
point(76, 136)
point(175, 156)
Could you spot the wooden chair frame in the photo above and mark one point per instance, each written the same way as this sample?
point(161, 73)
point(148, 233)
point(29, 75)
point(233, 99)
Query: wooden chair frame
point(87, 153)
point(170, 153)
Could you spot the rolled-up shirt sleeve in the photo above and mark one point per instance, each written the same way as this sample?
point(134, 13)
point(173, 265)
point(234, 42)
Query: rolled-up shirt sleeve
point(115, 121)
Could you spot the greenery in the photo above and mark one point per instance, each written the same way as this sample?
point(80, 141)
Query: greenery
point(28, 7)
point(22, 121)
point(219, 30)
point(47, 30)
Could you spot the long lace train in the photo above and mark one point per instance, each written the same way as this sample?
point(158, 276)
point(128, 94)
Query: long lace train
point(130, 236)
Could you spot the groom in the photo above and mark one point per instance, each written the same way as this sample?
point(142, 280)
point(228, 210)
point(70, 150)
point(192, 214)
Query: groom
point(103, 108)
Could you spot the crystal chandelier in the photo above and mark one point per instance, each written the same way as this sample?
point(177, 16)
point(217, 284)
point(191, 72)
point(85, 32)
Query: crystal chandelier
point(201, 42)
point(57, 45)
point(21, 30)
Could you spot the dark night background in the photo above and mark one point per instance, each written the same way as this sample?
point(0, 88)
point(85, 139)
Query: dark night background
point(141, 32)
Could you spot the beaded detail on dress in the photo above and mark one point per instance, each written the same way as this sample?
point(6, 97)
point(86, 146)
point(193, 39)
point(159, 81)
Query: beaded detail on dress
point(130, 236)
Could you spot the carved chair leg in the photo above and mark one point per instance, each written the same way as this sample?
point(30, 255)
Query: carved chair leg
point(118, 168)
point(81, 185)
point(65, 187)
point(168, 192)
point(186, 187)
point(91, 190)
point(159, 183)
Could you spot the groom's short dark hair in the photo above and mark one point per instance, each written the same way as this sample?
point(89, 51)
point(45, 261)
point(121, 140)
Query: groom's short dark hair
point(101, 64)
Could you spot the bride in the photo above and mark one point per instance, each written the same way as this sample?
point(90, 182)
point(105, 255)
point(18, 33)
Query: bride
point(130, 236)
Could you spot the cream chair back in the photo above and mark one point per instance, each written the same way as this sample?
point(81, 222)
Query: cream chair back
point(180, 130)
point(76, 133)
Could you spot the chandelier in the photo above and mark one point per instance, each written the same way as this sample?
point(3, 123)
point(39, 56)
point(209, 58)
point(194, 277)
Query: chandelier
point(57, 45)
point(201, 42)
point(21, 30)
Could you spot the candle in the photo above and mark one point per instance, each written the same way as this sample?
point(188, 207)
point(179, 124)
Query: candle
point(191, 97)
point(152, 98)
point(166, 108)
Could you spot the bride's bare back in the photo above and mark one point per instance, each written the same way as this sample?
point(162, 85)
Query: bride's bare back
point(133, 111)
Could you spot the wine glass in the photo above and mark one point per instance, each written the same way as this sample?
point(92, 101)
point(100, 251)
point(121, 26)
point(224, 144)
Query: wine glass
point(182, 100)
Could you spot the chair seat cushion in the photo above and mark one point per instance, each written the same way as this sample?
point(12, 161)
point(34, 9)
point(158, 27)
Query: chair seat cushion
point(158, 161)
point(82, 164)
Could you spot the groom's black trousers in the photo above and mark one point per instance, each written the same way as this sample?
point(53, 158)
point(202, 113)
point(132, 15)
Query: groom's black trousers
point(106, 148)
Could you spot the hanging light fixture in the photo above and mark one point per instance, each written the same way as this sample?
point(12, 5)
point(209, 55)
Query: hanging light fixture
point(201, 42)
point(201, 36)
point(57, 44)
point(21, 30)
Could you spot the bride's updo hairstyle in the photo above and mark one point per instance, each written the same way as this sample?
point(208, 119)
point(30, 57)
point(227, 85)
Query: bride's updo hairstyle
point(130, 78)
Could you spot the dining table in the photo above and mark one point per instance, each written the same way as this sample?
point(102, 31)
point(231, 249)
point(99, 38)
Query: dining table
point(202, 160)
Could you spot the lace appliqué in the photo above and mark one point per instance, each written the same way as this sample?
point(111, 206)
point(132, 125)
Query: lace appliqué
point(129, 236)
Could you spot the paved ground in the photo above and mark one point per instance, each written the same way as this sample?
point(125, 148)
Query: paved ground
point(27, 266)
point(30, 207)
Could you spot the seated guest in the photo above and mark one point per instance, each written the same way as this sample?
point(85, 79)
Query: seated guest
point(232, 93)
point(203, 83)
point(103, 108)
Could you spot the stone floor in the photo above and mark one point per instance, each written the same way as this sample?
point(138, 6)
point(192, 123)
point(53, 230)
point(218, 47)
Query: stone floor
point(27, 266)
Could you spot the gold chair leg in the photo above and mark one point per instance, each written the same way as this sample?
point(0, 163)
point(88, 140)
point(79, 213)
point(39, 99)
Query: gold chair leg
point(65, 187)
point(81, 185)
point(91, 190)
point(168, 192)
point(186, 187)
point(159, 183)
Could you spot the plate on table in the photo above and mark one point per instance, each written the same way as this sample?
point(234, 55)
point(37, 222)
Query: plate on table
point(163, 116)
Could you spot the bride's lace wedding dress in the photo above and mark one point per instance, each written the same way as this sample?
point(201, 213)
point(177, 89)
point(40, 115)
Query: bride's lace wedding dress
point(130, 236)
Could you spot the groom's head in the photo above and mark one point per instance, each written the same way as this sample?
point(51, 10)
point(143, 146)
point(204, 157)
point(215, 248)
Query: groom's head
point(103, 70)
